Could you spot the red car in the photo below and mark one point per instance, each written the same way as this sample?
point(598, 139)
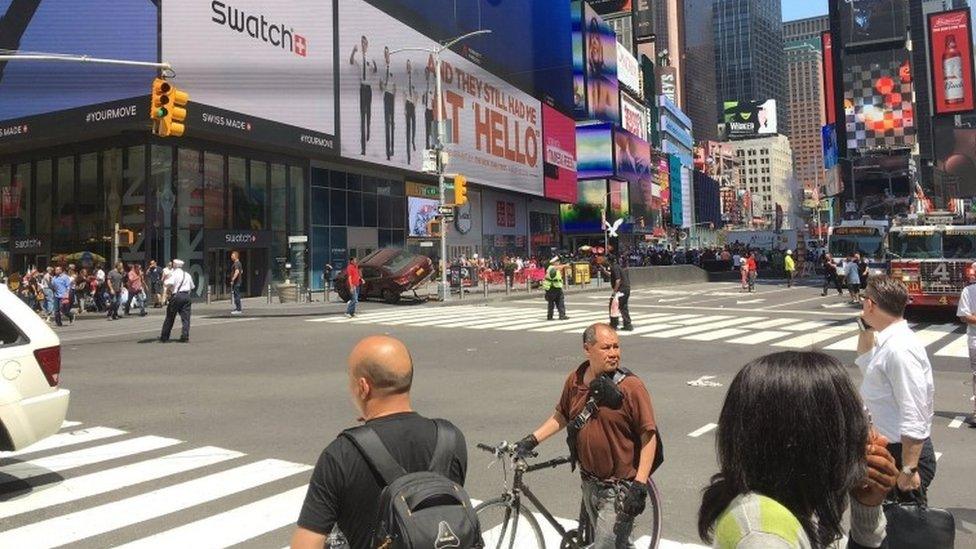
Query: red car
point(387, 273)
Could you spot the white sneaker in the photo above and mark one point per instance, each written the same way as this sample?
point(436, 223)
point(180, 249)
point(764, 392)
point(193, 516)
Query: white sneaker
point(348, 315)
point(236, 312)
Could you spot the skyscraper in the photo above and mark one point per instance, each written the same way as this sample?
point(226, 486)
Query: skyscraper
point(699, 73)
point(748, 38)
point(805, 29)
point(804, 68)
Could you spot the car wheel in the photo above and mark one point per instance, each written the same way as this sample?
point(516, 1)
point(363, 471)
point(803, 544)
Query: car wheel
point(390, 296)
point(343, 293)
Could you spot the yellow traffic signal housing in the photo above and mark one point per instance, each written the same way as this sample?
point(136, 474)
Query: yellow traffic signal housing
point(168, 109)
point(460, 190)
point(126, 237)
point(434, 228)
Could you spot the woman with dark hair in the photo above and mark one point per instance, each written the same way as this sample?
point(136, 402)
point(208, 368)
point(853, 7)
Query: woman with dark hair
point(795, 450)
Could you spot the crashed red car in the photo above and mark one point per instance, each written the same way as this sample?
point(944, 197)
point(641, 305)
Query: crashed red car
point(387, 273)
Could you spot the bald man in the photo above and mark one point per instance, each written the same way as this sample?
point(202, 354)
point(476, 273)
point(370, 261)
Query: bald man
point(344, 490)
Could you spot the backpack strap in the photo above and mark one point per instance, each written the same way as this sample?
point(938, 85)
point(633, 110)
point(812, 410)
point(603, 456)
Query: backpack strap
point(620, 374)
point(374, 451)
point(447, 439)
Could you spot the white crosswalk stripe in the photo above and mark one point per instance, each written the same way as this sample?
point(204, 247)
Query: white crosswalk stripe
point(722, 327)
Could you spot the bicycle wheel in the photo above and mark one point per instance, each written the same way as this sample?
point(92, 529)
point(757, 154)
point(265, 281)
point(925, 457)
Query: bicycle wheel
point(647, 527)
point(505, 525)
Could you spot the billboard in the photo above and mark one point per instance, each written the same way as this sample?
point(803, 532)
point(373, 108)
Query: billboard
point(604, 7)
point(559, 167)
point(584, 215)
point(633, 116)
point(668, 83)
point(387, 101)
point(864, 21)
point(951, 59)
point(628, 70)
point(747, 119)
point(595, 85)
point(677, 190)
point(830, 100)
point(955, 162)
point(643, 21)
point(878, 108)
point(419, 212)
point(833, 184)
point(284, 63)
point(594, 151)
point(633, 160)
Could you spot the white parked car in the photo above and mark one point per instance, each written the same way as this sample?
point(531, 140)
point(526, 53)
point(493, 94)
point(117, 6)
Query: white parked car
point(32, 404)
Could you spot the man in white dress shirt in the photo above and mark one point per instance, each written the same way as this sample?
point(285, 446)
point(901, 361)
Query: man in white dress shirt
point(180, 285)
point(897, 387)
point(967, 313)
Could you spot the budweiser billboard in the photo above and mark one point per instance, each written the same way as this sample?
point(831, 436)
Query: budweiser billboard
point(951, 59)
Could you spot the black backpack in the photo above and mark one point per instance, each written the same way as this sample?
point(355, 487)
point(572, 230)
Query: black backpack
point(424, 509)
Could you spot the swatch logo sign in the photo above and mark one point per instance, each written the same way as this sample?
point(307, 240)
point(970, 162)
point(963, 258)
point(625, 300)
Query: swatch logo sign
point(257, 27)
point(240, 238)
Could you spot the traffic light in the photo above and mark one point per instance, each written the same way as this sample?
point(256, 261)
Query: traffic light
point(126, 237)
point(460, 190)
point(434, 227)
point(168, 109)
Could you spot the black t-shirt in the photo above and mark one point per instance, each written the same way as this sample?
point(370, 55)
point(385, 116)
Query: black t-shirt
point(236, 266)
point(618, 273)
point(345, 491)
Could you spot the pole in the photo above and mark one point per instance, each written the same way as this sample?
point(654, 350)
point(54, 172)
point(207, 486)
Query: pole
point(442, 290)
point(606, 231)
point(115, 246)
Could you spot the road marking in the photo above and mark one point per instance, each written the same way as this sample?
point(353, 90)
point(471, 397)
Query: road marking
point(836, 305)
point(737, 302)
point(231, 527)
point(959, 348)
point(659, 324)
point(70, 438)
point(773, 323)
point(79, 458)
point(957, 422)
point(938, 455)
point(671, 300)
point(807, 326)
point(70, 337)
point(580, 320)
point(759, 337)
point(113, 479)
point(69, 424)
point(811, 339)
point(79, 525)
point(702, 430)
point(717, 334)
point(703, 327)
point(655, 318)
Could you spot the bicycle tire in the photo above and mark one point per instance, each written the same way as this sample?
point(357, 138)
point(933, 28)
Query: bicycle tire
point(524, 518)
point(653, 509)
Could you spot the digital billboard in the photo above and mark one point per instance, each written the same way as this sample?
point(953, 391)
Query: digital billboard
point(584, 215)
point(878, 108)
point(604, 7)
point(419, 212)
point(494, 130)
point(951, 59)
point(633, 159)
point(595, 85)
point(830, 100)
point(746, 119)
point(559, 134)
point(628, 70)
point(833, 184)
point(633, 116)
point(864, 21)
point(643, 21)
point(594, 151)
point(272, 61)
point(45, 99)
point(955, 162)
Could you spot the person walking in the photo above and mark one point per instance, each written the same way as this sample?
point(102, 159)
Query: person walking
point(114, 281)
point(99, 291)
point(135, 283)
point(753, 271)
point(620, 283)
point(552, 285)
point(45, 285)
point(788, 475)
point(167, 271)
point(154, 276)
point(180, 284)
point(830, 275)
point(852, 277)
point(612, 435)
point(789, 265)
point(61, 286)
point(966, 311)
point(897, 385)
point(344, 490)
point(744, 272)
point(354, 279)
point(236, 279)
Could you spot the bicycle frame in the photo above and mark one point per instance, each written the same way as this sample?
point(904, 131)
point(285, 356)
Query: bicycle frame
point(519, 488)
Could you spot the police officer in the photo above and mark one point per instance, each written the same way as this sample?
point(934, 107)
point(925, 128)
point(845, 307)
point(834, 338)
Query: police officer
point(179, 284)
point(552, 284)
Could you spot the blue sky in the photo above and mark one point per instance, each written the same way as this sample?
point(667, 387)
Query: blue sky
point(798, 9)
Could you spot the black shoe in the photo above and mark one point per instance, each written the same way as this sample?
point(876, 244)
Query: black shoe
point(184, 340)
point(564, 318)
point(549, 318)
point(628, 328)
point(161, 340)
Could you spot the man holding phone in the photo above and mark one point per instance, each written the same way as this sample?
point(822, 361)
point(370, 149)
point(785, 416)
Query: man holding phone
point(897, 387)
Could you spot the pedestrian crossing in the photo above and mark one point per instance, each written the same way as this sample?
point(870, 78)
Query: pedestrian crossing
point(152, 491)
point(944, 340)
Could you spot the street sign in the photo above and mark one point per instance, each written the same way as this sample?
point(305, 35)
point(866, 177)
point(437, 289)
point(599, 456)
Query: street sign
point(430, 161)
point(299, 239)
point(446, 209)
point(448, 218)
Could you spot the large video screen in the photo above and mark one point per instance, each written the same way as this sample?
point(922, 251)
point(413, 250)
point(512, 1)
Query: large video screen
point(878, 104)
point(955, 162)
point(559, 132)
point(387, 103)
point(584, 215)
point(419, 212)
point(951, 54)
point(121, 29)
point(594, 151)
point(863, 21)
point(633, 161)
point(747, 119)
point(595, 86)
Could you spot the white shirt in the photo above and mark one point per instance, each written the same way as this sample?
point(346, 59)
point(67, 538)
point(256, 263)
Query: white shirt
point(100, 276)
point(180, 281)
point(897, 387)
point(967, 306)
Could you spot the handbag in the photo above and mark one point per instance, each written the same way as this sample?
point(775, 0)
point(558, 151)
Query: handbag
point(912, 524)
point(614, 306)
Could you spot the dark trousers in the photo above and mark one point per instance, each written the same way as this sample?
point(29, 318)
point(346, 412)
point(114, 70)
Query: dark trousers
point(365, 114)
point(389, 106)
point(429, 128)
point(555, 299)
point(624, 303)
point(832, 280)
point(236, 292)
point(64, 309)
point(113, 305)
point(179, 304)
point(411, 128)
point(926, 461)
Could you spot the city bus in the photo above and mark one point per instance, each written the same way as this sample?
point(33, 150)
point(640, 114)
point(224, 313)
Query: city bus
point(862, 236)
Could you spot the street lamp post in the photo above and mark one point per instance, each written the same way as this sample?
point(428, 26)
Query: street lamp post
point(443, 291)
point(606, 224)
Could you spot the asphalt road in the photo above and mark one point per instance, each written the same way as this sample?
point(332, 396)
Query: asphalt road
point(251, 402)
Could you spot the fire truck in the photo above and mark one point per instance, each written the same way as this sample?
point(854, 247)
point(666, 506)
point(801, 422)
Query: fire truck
point(933, 255)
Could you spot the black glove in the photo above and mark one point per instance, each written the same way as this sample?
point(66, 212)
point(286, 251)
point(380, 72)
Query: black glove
point(524, 447)
point(606, 393)
point(631, 501)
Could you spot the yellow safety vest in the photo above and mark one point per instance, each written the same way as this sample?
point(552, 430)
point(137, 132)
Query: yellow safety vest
point(553, 279)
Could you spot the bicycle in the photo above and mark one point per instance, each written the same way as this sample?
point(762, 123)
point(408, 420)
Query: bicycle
point(507, 522)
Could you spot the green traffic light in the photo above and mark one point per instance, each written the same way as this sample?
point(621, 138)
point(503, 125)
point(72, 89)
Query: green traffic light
point(161, 113)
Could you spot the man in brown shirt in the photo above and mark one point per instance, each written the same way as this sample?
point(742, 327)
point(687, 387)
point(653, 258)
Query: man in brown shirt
point(616, 446)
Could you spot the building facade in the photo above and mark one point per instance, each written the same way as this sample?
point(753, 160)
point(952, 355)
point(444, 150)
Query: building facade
point(700, 69)
point(809, 28)
point(748, 44)
point(766, 167)
point(804, 65)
